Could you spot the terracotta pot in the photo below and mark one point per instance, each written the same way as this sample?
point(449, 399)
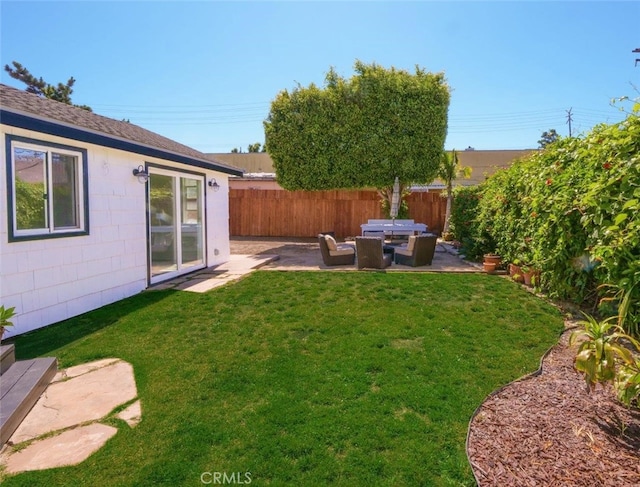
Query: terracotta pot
point(516, 273)
point(492, 259)
point(530, 277)
point(489, 267)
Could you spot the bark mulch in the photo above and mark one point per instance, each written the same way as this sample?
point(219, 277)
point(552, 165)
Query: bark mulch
point(548, 430)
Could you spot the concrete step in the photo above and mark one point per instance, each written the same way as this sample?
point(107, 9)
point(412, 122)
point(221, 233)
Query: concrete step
point(7, 357)
point(20, 388)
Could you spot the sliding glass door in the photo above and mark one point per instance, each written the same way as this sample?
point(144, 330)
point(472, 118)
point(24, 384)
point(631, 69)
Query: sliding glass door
point(176, 220)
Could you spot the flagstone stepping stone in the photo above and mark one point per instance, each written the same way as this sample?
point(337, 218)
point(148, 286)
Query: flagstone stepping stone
point(88, 396)
point(63, 427)
point(132, 415)
point(68, 448)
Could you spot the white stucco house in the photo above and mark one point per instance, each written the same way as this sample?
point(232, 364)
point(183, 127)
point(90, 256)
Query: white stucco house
point(93, 210)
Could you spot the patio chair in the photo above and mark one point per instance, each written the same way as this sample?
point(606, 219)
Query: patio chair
point(419, 251)
point(369, 251)
point(334, 254)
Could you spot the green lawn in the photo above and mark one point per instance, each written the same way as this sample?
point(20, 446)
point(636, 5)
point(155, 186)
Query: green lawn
point(305, 378)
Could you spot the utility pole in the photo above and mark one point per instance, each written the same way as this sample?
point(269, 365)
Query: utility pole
point(637, 49)
point(569, 119)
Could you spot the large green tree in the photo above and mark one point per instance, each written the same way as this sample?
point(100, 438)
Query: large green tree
point(359, 132)
point(38, 86)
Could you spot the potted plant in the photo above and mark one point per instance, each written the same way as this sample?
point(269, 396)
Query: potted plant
point(517, 269)
point(530, 275)
point(5, 315)
point(492, 258)
point(489, 267)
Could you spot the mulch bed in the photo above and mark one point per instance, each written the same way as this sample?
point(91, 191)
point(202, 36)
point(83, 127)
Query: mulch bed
point(548, 430)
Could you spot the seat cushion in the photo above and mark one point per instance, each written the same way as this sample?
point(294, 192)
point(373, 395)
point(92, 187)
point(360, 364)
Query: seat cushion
point(411, 244)
point(406, 252)
point(342, 251)
point(331, 243)
point(346, 246)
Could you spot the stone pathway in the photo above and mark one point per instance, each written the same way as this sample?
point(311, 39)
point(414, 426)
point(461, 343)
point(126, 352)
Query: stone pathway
point(64, 427)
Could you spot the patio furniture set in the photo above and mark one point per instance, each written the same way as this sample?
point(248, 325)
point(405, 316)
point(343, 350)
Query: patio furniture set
point(371, 252)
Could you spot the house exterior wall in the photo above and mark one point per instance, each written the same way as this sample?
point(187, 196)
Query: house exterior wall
point(53, 279)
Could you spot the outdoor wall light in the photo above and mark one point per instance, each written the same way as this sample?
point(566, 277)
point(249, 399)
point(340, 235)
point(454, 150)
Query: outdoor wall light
point(214, 184)
point(141, 174)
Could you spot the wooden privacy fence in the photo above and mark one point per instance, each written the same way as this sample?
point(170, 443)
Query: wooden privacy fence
point(280, 213)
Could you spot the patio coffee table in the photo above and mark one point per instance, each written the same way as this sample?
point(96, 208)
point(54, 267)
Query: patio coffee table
point(389, 249)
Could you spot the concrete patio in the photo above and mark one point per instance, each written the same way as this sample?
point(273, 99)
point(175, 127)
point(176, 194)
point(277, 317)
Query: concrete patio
point(295, 254)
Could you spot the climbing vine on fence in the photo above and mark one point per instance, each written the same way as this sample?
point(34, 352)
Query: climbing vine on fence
point(571, 210)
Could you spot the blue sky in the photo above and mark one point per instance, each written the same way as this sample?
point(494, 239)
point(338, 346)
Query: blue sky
point(204, 73)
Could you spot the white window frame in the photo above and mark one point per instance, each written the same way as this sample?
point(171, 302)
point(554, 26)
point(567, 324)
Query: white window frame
point(80, 190)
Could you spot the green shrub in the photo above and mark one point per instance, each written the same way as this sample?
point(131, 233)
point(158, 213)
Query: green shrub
point(611, 210)
point(462, 224)
point(572, 211)
point(605, 355)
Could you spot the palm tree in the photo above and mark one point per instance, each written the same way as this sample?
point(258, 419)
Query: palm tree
point(449, 170)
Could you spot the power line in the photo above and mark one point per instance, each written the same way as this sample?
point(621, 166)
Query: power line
point(201, 105)
point(258, 112)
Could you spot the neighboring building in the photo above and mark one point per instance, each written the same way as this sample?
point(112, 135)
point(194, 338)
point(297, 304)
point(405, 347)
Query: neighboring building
point(78, 229)
point(484, 163)
point(260, 174)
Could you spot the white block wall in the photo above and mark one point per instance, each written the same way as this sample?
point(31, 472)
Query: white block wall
point(50, 280)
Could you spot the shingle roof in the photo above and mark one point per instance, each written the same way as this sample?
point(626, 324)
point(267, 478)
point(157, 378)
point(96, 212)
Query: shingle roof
point(15, 101)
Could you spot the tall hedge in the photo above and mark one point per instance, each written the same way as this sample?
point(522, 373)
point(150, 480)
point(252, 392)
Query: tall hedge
point(359, 132)
point(572, 210)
